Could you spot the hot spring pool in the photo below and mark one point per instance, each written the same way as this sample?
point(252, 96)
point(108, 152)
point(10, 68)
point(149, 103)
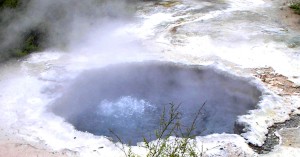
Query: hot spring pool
point(129, 98)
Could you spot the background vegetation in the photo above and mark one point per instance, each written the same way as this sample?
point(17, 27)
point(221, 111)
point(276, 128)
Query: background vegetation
point(30, 39)
point(9, 3)
point(296, 7)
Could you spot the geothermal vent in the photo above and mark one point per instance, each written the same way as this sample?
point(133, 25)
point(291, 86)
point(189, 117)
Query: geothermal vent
point(129, 98)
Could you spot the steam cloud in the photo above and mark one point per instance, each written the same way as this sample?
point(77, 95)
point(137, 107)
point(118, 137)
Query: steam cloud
point(66, 22)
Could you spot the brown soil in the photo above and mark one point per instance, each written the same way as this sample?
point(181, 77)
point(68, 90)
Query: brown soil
point(288, 17)
point(25, 150)
point(277, 81)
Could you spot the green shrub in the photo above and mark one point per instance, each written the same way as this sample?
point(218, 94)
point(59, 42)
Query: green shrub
point(166, 144)
point(9, 3)
point(31, 43)
point(296, 7)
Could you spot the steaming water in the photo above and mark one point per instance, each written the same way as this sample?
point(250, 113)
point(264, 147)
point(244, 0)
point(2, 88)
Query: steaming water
point(232, 35)
point(129, 99)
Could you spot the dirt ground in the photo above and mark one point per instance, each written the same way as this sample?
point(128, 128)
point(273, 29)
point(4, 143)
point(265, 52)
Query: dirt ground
point(288, 17)
point(25, 150)
point(12, 147)
point(278, 81)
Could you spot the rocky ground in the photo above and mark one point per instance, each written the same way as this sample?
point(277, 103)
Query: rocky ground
point(284, 134)
point(279, 133)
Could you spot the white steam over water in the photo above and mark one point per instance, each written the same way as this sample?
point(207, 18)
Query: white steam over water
point(227, 35)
